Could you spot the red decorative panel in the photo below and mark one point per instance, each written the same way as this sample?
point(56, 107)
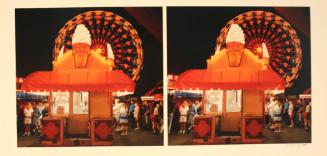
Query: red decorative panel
point(203, 129)
point(103, 130)
point(51, 130)
point(253, 128)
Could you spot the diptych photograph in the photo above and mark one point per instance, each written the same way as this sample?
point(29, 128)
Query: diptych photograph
point(166, 76)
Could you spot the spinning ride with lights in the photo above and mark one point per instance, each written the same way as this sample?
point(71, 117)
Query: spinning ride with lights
point(280, 38)
point(96, 54)
point(109, 34)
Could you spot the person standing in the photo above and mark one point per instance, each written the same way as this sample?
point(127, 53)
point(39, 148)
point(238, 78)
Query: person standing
point(28, 111)
point(183, 111)
point(116, 110)
point(299, 110)
point(147, 115)
point(161, 114)
point(156, 119)
point(123, 118)
point(271, 111)
point(291, 113)
point(131, 114)
point(285, 112)
point(277, 109)
point(143, 111)
point(37, 115)
point(192, 114)
point(136, 115)
point(307, 116)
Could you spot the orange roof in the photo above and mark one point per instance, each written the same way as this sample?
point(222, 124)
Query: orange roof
point(78, 80)
point(230, 78)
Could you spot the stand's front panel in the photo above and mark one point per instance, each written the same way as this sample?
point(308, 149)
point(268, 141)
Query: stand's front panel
point(204, 130)
point(231, 114)
point(53, 131)
point(78, 121)
point(252, 119)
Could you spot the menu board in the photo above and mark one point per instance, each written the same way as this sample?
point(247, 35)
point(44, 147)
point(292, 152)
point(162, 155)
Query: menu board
point(80, 102)
point(233, 100)
point(60, 104)
point(213, 101)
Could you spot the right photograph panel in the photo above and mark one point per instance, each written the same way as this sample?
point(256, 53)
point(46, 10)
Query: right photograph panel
point(239, 75)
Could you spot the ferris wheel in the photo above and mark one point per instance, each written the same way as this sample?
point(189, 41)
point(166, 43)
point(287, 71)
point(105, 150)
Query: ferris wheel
point(280, 38)
point(112, 34)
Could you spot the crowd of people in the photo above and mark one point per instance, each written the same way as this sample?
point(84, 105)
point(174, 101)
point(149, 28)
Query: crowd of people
point(147, 115)
point(184, 112)
point(293, 112)
point(29, 115)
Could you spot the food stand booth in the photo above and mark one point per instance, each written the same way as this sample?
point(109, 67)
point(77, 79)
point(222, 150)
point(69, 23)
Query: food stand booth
point(83, 81)
point(233, 88)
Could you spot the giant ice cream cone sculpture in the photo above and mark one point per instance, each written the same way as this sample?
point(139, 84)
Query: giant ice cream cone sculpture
point(81, 45)
point(235, 45)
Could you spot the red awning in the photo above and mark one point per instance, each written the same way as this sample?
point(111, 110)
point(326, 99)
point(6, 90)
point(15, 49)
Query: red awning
point(236, 78)
point(78, 80)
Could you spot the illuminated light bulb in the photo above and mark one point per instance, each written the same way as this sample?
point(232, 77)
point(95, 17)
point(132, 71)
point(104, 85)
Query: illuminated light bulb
point(265, 51)
point(110, 54)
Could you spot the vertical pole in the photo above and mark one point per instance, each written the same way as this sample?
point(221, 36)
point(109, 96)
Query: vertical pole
point(203, 103)
point(50, 104)
point(110, 100)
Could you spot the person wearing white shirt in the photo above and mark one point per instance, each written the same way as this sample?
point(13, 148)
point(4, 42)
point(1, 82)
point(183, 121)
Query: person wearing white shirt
point(28, 111)
point(183, 111)
point(270, 107)
point(277, 110)
point(116, 109)
point(124, 118)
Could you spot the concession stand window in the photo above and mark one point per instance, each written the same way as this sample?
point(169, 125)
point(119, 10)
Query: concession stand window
point(213, 101)
point(233, 100)
point(60, 103)
point(80, 103)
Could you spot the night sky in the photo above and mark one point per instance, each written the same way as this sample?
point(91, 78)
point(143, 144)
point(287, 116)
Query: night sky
point(192, 33)
point(36, 30)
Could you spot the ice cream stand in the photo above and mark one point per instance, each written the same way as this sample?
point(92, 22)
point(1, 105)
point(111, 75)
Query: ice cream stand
point(256, 51)
point(233, 88)
point(92, 61)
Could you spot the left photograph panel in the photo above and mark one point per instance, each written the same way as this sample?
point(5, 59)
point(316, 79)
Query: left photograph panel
point(89, 76)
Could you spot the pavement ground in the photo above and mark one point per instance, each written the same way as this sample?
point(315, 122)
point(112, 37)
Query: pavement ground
point(134, 138)
point(287, 135)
